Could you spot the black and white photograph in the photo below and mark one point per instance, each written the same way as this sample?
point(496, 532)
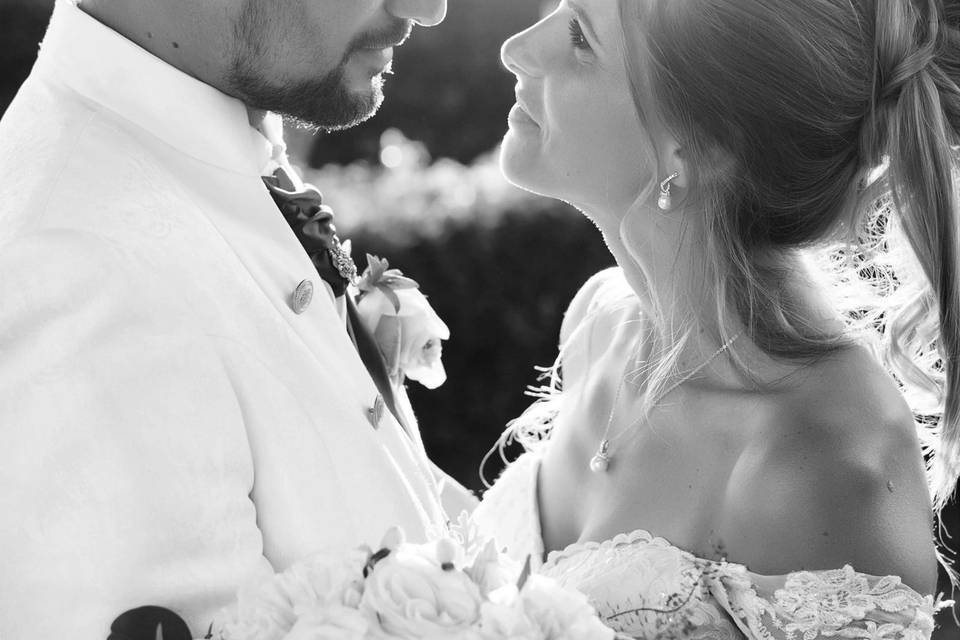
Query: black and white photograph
point(479, 319)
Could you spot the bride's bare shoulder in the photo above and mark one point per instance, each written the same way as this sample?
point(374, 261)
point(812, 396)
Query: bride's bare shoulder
point(836, 478)
point(604, 316)
point(605, 292)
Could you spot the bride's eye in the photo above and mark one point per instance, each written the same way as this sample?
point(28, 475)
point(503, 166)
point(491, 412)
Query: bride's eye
point(577, 38)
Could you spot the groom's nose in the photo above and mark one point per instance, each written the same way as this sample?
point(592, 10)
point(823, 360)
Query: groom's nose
point(424, 12)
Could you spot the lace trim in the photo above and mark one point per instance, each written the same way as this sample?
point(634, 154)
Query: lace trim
point(810, 604)
point(619, 540)
point(831, 604)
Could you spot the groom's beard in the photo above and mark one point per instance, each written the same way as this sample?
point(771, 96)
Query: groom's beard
point(323, 103)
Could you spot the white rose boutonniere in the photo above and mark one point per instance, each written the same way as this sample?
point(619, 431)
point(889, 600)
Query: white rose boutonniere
point(407, 329)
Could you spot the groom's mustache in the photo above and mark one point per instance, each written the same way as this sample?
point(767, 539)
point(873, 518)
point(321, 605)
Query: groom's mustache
point(393, 36)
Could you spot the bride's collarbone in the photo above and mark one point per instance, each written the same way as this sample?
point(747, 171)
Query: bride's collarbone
point(669, 478)
point(669, 474)
point(838, 445)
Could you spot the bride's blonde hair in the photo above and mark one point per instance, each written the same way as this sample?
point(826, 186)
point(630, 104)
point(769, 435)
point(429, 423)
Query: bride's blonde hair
point(823, 126)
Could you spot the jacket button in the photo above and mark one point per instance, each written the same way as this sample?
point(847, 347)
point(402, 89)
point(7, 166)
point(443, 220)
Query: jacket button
point(302, 296)
point(375, 413)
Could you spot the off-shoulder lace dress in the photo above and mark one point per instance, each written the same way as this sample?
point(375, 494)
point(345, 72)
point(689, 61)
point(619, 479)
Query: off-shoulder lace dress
point(645, 587)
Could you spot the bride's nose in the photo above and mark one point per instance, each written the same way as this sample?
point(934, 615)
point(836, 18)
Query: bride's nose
point(517, 54)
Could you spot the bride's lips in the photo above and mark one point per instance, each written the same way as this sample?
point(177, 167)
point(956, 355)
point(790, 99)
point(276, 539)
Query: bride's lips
point(520, 115)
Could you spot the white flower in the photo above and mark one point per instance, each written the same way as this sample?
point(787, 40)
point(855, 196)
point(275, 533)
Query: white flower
point(407, 329)
point(334, 622)
point(491, 570)
point(503, 617)
point(269, 610)
point(561, 614)
point(263, 613)
point(324, 578)
point(413, 596)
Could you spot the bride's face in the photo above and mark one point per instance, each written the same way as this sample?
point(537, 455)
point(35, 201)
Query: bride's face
point(574, 133)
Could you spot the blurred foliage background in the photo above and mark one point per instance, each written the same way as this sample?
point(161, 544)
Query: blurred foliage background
point(419, 185)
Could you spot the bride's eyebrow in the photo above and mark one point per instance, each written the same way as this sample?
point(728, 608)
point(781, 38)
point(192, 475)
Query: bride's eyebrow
point(584, 19)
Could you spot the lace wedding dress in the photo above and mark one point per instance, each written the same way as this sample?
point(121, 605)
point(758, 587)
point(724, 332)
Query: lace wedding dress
point(644, 587)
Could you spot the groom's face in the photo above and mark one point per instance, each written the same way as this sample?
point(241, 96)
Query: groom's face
point(321, 62)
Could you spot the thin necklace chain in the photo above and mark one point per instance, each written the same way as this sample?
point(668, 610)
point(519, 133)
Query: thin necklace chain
point(601, 459)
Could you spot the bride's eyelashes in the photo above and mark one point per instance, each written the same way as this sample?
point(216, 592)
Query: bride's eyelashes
point(577, 37)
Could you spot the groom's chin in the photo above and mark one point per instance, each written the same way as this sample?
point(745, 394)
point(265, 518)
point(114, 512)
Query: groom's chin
point(330, 104)
point(356, 105)
point(336, 108)
point(348, 113)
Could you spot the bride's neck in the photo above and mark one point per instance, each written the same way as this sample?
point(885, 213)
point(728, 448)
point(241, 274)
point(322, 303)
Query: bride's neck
point(666, 281)
point(666, 271)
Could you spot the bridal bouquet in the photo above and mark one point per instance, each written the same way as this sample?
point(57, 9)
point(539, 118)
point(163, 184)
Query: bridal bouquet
point(455, 588)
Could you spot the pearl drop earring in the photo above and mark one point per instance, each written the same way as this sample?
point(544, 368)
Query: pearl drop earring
point(665, 202)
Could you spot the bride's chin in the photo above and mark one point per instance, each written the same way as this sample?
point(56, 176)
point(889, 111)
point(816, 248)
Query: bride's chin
point(521, 171)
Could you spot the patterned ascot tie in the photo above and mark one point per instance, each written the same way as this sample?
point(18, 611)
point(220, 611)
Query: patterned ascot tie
point(312, 223)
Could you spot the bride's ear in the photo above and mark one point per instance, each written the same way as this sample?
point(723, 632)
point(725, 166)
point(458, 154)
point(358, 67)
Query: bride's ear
point(674, 176)
point(674, 162)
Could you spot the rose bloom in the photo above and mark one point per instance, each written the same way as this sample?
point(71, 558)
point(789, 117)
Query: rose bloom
point(413, 597)
point(269, 610)
point(324, 578)
point(334, 622)
point(264, 613)
point(416, 326)
point(503, 617)
point(561, 614)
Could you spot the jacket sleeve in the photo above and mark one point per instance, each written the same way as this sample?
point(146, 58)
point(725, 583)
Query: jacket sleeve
point(125, 474)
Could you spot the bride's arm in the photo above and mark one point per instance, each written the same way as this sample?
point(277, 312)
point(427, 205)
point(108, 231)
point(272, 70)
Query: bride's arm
point(831, 516)
point(834, 482)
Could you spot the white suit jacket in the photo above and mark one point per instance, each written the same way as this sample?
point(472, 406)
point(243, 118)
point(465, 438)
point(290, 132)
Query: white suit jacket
point(171, 428)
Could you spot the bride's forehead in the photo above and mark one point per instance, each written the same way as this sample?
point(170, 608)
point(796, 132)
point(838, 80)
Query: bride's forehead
point(603, 14)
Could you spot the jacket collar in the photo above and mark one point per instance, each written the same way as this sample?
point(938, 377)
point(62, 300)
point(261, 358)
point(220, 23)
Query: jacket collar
point(113, 72)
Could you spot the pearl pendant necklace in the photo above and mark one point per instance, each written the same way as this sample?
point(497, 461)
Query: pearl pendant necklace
point(600, 462)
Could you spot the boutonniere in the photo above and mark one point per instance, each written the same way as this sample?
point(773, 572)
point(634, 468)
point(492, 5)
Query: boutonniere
point(407, 329)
